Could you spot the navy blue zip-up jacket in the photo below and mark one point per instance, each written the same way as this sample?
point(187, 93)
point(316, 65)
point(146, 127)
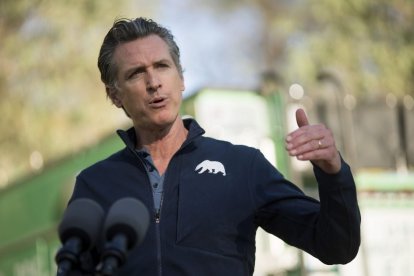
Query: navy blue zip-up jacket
point(209, 216)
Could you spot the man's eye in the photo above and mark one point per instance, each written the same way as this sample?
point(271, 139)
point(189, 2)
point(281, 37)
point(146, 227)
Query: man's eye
point(136, 73)
point(162, 65)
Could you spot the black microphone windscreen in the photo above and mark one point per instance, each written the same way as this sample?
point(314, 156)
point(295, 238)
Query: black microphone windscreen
point(130, 217)
point(83, 218)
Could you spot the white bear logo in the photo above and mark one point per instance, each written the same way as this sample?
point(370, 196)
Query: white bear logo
point(210, 166)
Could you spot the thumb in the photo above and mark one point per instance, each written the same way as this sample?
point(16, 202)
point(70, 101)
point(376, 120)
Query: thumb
point(301, 118)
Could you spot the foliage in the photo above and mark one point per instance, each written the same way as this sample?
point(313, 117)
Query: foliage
point(368, 43)
point(52, 98)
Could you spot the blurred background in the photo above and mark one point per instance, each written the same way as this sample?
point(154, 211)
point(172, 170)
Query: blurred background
point(248, 65)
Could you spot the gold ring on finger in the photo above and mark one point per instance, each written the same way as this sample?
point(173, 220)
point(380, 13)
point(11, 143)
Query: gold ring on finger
point(319, 143)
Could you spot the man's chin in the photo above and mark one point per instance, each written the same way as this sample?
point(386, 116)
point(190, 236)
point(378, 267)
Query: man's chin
point(161, 123)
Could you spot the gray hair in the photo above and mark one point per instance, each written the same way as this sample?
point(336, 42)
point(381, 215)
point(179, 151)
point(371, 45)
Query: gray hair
point(125, 30)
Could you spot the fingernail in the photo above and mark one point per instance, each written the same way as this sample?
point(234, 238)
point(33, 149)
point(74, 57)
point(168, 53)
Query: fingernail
point(288, 138)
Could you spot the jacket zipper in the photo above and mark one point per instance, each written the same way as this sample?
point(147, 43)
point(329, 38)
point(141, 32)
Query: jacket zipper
point(157, 216)
point(158, 238)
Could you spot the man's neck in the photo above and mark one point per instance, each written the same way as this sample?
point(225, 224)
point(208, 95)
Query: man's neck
point(162, 144)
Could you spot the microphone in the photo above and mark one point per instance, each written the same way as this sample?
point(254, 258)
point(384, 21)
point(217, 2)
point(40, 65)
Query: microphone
point(79, 229)
point(125, 227)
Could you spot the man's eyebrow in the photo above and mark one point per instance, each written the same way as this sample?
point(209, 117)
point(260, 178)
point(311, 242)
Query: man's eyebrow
point(164, 60)
point(134, 68)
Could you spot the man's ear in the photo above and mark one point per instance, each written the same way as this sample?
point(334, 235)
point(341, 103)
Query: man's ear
point(113, 94)
point(182, 85)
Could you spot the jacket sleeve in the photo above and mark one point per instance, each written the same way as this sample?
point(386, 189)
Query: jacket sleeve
point(328, 229)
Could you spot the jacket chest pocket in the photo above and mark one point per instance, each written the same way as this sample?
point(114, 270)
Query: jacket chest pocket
point(212, 214)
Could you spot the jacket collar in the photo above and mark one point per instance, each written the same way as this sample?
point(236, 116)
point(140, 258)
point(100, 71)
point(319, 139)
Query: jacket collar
point(194, 130)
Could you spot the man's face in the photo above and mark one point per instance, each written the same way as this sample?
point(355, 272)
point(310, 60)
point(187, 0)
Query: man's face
point(149, 84)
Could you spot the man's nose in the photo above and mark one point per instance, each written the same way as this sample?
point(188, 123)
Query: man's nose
point(153, 81)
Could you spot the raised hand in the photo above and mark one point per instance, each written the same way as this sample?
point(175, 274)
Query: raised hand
point(314, 143)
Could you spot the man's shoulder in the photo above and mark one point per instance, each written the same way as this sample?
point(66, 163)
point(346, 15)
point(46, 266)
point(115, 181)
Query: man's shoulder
point(114, 160)
point(213, 144)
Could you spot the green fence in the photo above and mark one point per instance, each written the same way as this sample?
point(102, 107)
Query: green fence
point(31, 209)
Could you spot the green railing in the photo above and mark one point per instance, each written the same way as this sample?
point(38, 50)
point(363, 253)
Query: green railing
point(31, 209)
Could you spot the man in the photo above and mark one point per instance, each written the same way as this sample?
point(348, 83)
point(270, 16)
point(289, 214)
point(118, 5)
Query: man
point(208, 197)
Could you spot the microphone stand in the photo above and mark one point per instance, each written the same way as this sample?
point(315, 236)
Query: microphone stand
point(114, 255)
point(66, 258)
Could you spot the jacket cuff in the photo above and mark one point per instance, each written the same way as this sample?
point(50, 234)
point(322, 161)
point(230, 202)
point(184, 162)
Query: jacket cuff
point(341, 179)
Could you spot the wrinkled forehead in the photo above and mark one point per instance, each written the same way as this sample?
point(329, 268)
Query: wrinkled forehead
point(141, 50)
